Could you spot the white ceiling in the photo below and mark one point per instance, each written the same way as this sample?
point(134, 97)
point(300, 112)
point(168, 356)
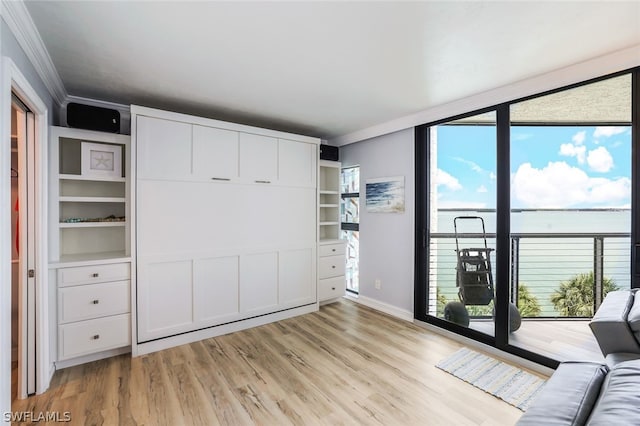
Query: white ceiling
point(319, 68)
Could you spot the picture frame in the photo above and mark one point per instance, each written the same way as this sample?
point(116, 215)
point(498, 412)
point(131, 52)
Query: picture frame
point(385, 195)
point(99, 160)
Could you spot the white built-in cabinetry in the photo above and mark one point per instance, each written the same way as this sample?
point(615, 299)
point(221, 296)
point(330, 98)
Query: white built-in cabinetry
point(226, 222)
point(331, 249)
point(90, 243)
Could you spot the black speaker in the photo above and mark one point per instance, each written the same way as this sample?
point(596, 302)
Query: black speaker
point(93, 118)
point(328, 152)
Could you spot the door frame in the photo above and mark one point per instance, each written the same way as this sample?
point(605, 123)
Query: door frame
point(13, 80)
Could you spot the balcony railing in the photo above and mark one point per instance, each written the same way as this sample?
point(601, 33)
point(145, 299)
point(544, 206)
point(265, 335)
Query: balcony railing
point(542, 263)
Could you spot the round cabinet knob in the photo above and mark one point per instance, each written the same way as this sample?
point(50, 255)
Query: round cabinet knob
point(95, 337)
point(95, 275)
point(333, 266)
point(95, 302)
point(333, 288)
point(333, 249)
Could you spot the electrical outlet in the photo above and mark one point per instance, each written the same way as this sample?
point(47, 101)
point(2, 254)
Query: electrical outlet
point(377, 284)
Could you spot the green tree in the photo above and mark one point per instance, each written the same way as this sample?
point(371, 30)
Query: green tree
point(574, 298)
point(528, 304)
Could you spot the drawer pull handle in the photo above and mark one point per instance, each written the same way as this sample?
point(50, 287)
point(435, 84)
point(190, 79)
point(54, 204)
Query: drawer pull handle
point(95, 302)
point(95, 337)
point(95, 275)
point(263, 181)
point(222, 179)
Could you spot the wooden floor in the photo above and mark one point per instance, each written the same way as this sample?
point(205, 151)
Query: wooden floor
point(562, 340)
point(345, 364)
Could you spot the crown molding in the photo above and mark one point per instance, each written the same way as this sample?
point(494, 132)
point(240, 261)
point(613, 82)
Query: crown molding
point(19, 21)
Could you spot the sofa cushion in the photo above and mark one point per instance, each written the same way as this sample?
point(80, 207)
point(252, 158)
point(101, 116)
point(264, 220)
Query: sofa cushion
point(568, 396)
point(619, 402)
point(634, 318)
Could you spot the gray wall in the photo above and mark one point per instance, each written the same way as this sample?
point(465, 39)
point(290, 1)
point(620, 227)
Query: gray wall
point(386, 239)
point(12, 49)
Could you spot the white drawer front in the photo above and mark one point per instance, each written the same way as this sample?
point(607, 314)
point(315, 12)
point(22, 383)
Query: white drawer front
point(330, 266)
point(93, 301)
point(86, 337)
point(331, 249)
point(331, 288)
point(93, 274)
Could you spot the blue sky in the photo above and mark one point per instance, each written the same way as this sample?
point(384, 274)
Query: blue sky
point(551, 167)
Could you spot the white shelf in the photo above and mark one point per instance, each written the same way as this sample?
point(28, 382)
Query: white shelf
point(92, 199)
point(80, 259)
point(329, 223)
point(329, 206)
point(323, 191)
point(91, 224)
point(98, 178)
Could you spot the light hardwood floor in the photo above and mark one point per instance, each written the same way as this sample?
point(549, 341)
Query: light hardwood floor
point(346, 364)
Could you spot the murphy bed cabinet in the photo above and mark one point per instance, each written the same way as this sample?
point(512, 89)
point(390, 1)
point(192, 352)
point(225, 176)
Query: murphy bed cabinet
point(331, 249)
point(225, 227)
point(90, 244)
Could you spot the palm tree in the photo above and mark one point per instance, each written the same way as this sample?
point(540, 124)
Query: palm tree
point(574, 298)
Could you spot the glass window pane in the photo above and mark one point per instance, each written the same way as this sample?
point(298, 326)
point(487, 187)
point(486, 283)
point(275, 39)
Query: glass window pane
point(463, 221)
point(353, 249)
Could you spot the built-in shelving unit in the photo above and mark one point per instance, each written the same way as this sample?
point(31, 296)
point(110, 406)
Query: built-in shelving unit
point(329, 201)
point(89, 210)
point(90, 243)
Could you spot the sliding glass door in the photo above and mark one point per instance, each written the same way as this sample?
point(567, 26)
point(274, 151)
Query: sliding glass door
point(540, 196)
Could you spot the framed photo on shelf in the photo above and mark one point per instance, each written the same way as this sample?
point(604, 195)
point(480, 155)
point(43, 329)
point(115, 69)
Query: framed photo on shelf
point(101, 160)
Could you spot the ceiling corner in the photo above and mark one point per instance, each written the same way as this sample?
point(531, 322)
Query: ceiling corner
point(19, 21)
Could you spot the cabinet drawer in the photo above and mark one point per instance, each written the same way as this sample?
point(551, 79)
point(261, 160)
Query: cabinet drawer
point(331, 288)
point(93, 301)
point(331, 249)
point(93, 274)
point(86, 337)
point(330, 266)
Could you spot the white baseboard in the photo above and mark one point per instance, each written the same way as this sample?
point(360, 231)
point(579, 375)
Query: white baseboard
point(394, 311)
point(90, 358)
point(513, 359)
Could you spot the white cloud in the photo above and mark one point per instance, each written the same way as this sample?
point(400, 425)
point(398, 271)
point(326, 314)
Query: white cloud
point(571, 150)
point(600, 160)
point(492, 176)
point(450, 182)
point(474, 166)
point(608, 131)
point(579, 137)
point(559, 185)
point(482, 188)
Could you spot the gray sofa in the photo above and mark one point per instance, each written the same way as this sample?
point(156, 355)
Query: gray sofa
point(591, 393)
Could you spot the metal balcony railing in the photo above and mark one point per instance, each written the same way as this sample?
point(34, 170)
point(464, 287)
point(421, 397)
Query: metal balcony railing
point(546, 264)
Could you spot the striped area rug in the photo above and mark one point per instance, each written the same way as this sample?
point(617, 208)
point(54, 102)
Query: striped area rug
point(504, 381)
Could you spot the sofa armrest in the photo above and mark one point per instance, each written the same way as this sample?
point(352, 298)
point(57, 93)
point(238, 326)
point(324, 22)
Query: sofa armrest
point(568, 396)
point(609, 324)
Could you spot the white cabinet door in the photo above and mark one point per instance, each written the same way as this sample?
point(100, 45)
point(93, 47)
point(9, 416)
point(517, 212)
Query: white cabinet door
point(258, 157)
point(163, 148)
point(215, 289)
point(296, 163)
point(215, 153)
point(165, 299)
point(258, 282)
point(296, 278)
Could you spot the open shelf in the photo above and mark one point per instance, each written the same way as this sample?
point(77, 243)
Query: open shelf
point(70, 199)
point(91, 224)
point(92, 179)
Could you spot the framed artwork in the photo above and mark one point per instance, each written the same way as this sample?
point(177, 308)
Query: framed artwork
point(385, 195)
point(101, 160)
